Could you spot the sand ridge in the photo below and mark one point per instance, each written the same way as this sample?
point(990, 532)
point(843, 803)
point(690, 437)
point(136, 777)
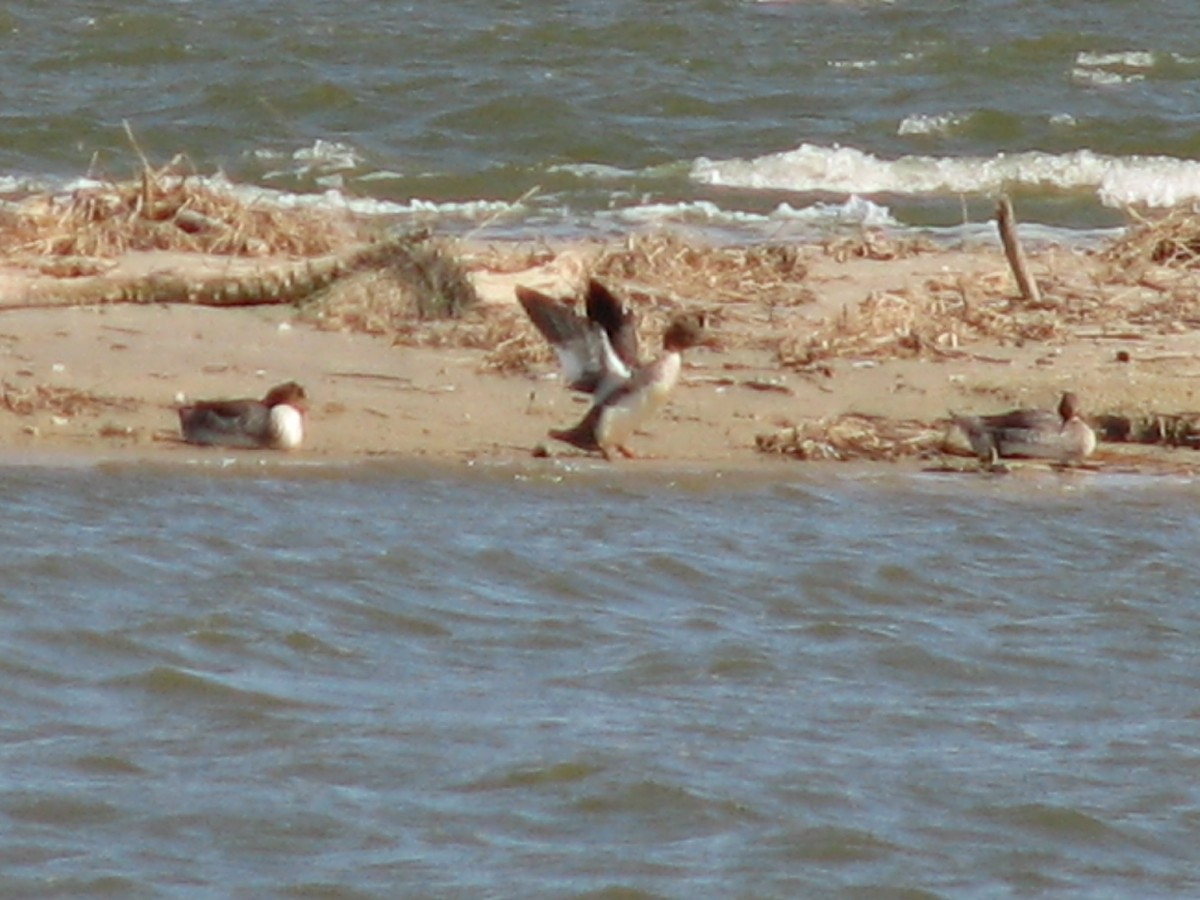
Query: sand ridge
point(105, 379)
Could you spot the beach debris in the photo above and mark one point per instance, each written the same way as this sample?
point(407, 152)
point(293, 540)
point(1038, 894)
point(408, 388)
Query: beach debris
point(660, 268)
point(117, 430)
point(278, 254)
point(934, 321)
point(875, 244)
point(168, 208)
point(1171, 240)
point(417, 278)
point(1167, 429)
point(423, 279)
point(1006, 222)
point(1157, 260)
point(60, 402)
point(855, 437)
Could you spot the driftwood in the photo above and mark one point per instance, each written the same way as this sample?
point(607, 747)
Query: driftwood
point(1007, 224)
point(282, 283)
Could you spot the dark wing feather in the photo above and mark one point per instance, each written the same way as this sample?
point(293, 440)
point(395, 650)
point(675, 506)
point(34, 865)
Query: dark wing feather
point(1019, 432)
point(618, 323)
point(587, 358)
point(1023, 419)
point(225, 423)
point(557, 322)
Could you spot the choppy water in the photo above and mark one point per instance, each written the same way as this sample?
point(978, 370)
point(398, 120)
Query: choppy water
point(756, 119)
point(384, 682)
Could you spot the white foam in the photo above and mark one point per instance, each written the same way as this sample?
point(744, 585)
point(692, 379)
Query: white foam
point(10, 184)
point(941, 123)
point(596, 171)
point(1103, 77)
point(369, 206)
point(1155, 181)
point(855, 64)
point(1112, 68)
point(1128, 59)
point(1148, 180)
point(327, 155)
point(855, 211)
point(323, 159)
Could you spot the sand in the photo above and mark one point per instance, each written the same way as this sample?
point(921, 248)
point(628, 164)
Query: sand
point(103, 381)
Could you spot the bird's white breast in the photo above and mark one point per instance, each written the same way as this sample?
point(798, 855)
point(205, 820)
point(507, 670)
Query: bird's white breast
point(630, 412)
point(287, 427)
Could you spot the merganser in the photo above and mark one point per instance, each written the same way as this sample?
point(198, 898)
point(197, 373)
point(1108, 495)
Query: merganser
point(598, 355)
point(1059, 434)
point(276, 421)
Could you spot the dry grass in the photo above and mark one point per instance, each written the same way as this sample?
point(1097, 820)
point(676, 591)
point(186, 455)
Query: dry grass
point(852, 436)
point(875, 245)
point(170, 210)
point(1147, 281)
point(1158, 262)
point(939, 319)
point(660, 275)
point(1170, 240)
point(514, 257)
point(424, 280)
point(166, 209)
point(948, 313)
point(513, 345)
point(667, 267)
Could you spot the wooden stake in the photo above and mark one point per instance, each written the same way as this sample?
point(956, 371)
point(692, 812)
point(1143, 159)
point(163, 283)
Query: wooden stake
point(1007, 223)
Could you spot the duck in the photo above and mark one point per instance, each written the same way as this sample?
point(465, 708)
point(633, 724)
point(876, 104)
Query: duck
point(1060, 434)
point(598, 353)
point(276, 421)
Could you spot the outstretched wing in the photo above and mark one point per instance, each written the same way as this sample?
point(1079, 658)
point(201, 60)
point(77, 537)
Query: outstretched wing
point(618, 323)
point(588, 360)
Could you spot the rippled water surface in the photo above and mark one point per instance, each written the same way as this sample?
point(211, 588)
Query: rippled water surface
point(379, 682)
point(752, 118)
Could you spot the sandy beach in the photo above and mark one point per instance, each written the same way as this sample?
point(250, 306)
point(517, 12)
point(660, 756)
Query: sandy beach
point(103, 380)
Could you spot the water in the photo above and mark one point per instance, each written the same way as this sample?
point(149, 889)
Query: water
point(386, 681)
point(747, 120)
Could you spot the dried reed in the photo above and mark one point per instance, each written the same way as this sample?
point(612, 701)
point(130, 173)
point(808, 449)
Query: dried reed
point(855, 437)
point(1169, 240)
point(166, 209)
point(936, 320)
point(665, 267)
point(424, 279)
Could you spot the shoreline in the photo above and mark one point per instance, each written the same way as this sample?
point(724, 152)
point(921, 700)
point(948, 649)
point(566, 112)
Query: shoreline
point(866, 327)
point(1020, 477)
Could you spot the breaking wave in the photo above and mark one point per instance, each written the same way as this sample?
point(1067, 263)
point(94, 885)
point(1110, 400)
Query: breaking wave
point(1153, 181)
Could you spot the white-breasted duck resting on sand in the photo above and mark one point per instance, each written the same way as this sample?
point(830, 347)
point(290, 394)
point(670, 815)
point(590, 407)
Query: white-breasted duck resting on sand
point(598, 353)
point(276, 421)
point(1060, 434)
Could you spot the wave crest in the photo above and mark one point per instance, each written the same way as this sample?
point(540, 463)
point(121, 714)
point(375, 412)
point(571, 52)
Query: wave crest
point(1156, 181)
